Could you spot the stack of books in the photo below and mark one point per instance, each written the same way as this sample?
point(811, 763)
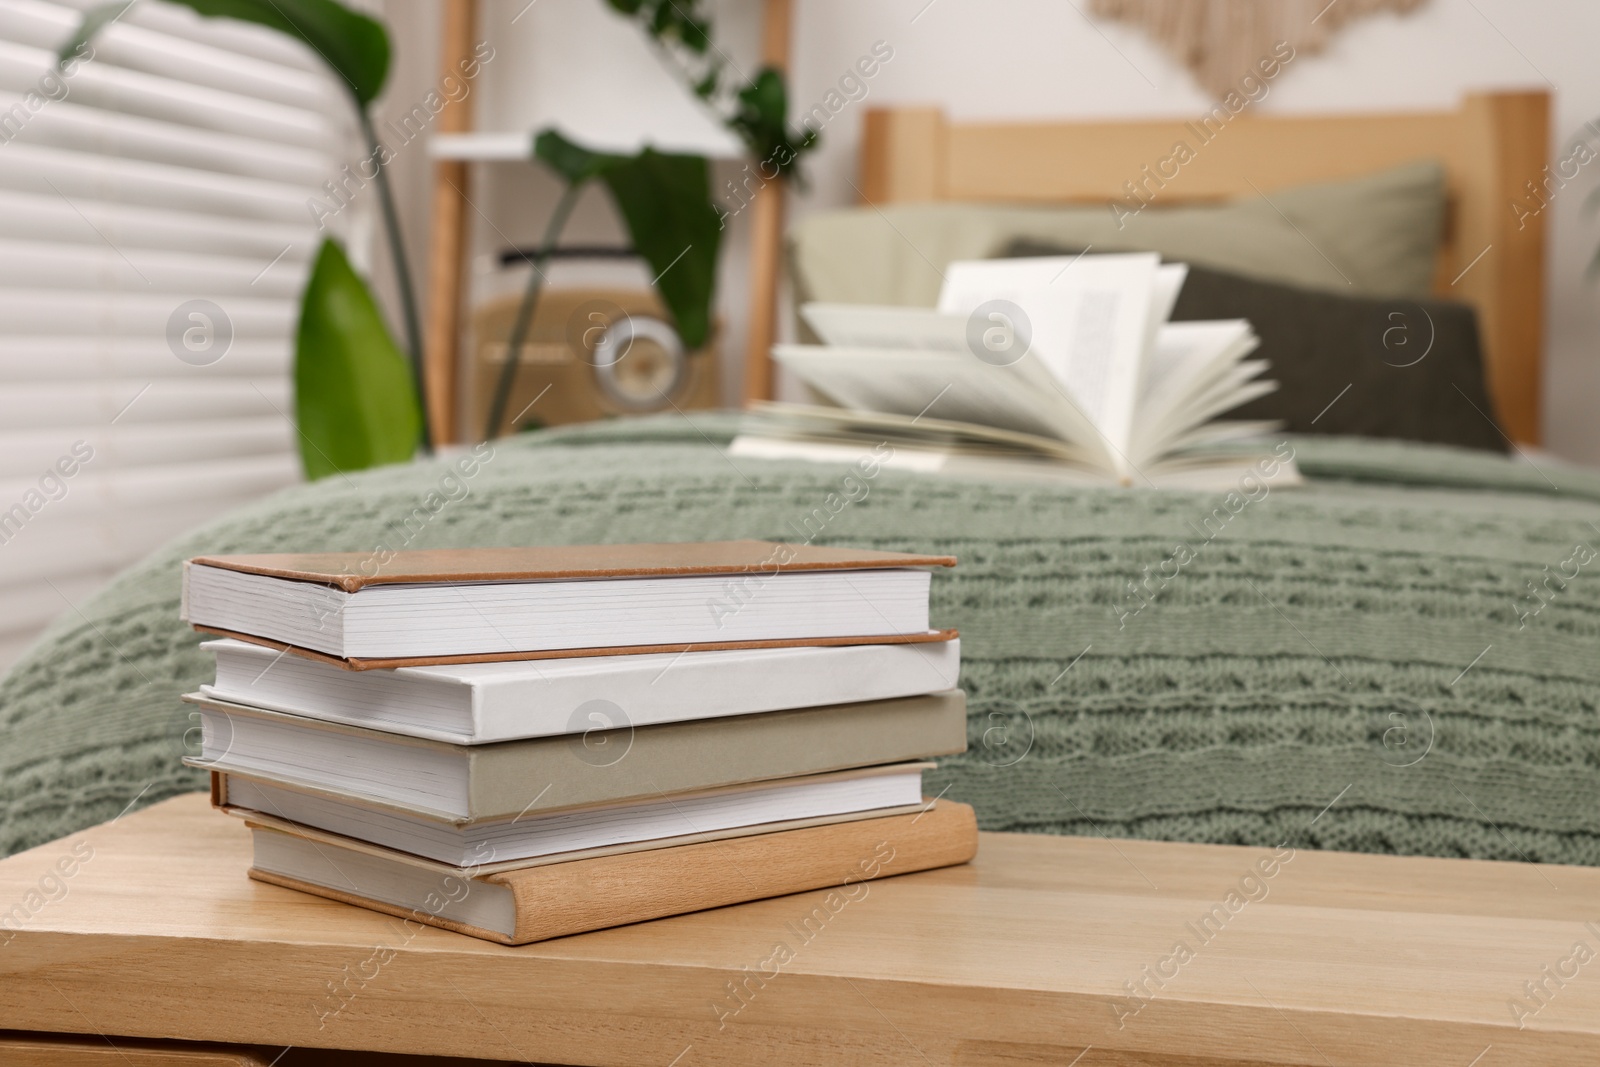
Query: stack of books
point(527, 743)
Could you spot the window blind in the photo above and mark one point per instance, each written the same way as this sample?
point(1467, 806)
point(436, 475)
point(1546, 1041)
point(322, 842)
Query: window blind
point(154, 239)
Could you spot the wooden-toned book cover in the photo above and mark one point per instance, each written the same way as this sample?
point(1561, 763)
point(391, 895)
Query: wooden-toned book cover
point(359, 663)
point(558, 899)
point(351, 571)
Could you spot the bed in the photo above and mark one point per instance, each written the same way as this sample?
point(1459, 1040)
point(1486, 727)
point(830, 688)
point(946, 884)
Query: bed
point(1491, 252)
point(1398, 657)
point(1359, 664)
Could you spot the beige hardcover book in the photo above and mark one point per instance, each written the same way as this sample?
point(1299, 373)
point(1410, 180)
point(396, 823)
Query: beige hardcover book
point(461, 784)
point(528, 904)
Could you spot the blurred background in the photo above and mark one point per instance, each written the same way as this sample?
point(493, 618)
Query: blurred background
point(161, 207)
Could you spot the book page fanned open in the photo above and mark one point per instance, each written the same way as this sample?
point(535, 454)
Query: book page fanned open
point(1059, 367)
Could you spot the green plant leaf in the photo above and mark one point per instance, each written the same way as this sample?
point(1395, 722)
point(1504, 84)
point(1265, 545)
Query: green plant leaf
point(354, 399)
point(707, 85)
point(665, 203)
point(757, 114)
point(572, 161)
point(760, 121)
point(765, 99)
point(665, 200)
point(663, 21)
point(354, 45)
point(695, 33)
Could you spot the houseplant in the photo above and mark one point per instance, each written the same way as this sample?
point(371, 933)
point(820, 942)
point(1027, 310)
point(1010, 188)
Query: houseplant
point(664, 199)
point(359, 399)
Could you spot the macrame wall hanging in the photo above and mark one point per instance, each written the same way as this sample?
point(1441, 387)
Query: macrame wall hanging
point(1222, 40)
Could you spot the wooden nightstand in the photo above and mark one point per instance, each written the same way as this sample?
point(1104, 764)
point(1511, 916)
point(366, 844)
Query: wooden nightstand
point(61, 1050)
point(53, 1050)
point(1042, 948)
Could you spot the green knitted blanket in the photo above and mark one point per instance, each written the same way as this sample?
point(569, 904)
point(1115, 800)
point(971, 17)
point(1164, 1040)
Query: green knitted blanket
point(1399, 657)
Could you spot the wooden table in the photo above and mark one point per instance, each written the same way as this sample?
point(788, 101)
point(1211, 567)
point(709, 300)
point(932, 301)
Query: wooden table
point(1026, 956)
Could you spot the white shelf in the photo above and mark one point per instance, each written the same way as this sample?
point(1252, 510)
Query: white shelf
point(482, 147)
point(517, 147)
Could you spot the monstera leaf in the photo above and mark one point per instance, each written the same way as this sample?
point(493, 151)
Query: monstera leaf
point(665, 202)
point(355, 46)
point(355, 402)
point(354, 399)
point(572, 161)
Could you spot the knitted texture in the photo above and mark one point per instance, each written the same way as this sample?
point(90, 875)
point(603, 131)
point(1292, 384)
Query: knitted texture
point(1357, 664)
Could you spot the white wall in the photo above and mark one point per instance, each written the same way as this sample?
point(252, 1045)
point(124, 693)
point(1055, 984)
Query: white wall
point(1042, 58)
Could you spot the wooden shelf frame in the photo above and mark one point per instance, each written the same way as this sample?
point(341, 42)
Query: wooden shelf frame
point(447, 254)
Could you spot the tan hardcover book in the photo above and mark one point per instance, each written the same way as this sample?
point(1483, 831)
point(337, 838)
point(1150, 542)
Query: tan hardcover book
point(529, 904)
point(394, 609)
point(466, 783)
point(351, 571)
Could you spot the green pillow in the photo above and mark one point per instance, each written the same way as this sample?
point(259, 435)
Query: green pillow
point(1371, 236)
point(1410, 370)
point(1363, 366)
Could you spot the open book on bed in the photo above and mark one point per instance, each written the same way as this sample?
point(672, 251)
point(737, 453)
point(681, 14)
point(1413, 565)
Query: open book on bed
point(1049, 365)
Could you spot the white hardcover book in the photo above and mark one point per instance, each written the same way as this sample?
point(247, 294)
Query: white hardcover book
point(474, 703)
point(438, 619)
point(822, 796)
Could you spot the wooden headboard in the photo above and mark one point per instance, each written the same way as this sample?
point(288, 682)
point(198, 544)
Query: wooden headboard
point(1491, 147)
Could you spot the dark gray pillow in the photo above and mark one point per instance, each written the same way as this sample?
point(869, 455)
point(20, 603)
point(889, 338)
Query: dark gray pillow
point(1353, 365)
